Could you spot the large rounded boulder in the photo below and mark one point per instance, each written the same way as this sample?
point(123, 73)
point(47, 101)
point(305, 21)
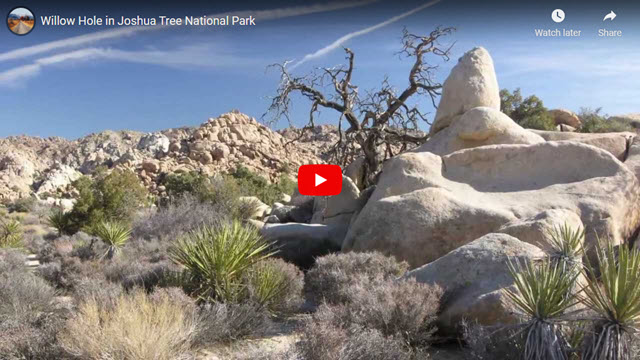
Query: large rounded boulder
point(425, 205)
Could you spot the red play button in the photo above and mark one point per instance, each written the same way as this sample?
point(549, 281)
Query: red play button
point(319, 180)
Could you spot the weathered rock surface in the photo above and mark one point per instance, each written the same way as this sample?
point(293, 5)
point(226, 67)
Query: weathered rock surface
point(565, 117)
point(478, 127)
point(615, 143)
point(474, 278)
point(472, 83)
point(425, 205)
point(538, 229)
point(302, 243)
point(58, 178)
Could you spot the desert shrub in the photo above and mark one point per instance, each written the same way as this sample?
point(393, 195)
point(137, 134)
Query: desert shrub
point(103, 292)
point(179, 216)
point(544, 293)
point(23, 205)
point(615, 299)
point(333, 274)
point(112, 197)
point(135, 273)
point(252, 184)
point(400, 308)
point(593, 121)
point(489, 343)
point(226, 322)
point(11, 260)
point(113, 234)
point(277, 285)
point(11, 234)
point(327, 337)
point(137, 327)
point(529, 112)
point(23, 294)
point(217, 258)
point(29, 320)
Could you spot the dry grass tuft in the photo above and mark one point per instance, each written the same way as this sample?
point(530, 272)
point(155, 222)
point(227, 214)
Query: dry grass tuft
point(137, 327)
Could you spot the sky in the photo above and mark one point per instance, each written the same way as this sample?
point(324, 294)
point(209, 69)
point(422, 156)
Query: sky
point(73, 81)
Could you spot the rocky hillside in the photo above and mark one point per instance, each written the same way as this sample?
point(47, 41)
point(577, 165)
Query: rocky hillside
point(32, 165)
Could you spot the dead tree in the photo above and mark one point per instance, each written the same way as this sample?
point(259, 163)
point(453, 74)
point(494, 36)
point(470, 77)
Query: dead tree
point(380, 123)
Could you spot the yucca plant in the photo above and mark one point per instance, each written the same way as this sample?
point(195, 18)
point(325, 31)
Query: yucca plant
point(10, 234)
point(616, 300)
point(217, 258)
point(541, 296)
point(114, 234)
point(58, 220)
point(567, 247)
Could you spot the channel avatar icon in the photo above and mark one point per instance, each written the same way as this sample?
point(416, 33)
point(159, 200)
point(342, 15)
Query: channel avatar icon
point(319, 180)
point(21, 21)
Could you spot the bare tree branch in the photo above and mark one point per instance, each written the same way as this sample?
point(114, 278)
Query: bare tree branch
point(381, 123)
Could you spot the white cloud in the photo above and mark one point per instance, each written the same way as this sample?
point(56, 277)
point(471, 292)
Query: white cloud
point(260, 15)
point(200, 55)
point(336, 44)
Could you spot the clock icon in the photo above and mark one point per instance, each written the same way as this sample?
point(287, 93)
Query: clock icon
point(557, 15)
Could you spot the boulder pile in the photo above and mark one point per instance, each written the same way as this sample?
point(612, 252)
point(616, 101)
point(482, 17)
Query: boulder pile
point(45, 167)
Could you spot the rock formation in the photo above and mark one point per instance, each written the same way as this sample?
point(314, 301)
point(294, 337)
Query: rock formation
point(472, 83)
point(481, 172)
point(30, 165)
point(565, 117)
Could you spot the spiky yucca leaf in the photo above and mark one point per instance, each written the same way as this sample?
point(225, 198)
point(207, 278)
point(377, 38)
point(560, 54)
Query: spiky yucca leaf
point(616, 300)
point(542, 297)
point(541, 289)
point(58, 220)
point(216, 259)
point(10, 234)
point(114, 234)
point(567, 246)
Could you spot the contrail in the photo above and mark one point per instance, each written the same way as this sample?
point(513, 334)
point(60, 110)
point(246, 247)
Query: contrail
point(122, 32)
point(336, 44)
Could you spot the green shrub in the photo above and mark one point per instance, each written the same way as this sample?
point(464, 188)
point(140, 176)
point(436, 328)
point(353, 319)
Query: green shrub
point(332, 276)
point(529, 112)
point(191, 183)
point(277, 285)
point(112, 197)
point(113, 234)
point(252, 184)
point(11, 234)
point(594, 122)
point(615, 298)
point(217, 258)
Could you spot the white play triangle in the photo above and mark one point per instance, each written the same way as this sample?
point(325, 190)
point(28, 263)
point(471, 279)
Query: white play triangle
point(319, 179)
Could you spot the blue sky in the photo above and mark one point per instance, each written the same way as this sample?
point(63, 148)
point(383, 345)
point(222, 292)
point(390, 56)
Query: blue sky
point(152, 80)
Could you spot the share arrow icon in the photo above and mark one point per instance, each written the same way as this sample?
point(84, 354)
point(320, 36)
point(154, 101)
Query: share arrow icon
point(610, 16)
